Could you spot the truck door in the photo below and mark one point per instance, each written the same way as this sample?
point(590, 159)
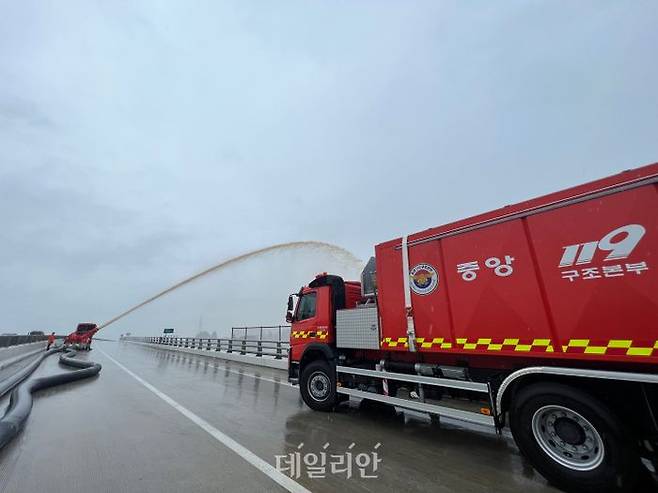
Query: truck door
point(306, 311)
point(304, 323)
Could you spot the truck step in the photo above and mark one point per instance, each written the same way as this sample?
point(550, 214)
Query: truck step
point(468, 416)
point(404, 377)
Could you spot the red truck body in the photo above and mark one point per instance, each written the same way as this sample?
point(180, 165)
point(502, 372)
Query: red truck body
point(569, 276)
point(82, 335)
point(544, 313)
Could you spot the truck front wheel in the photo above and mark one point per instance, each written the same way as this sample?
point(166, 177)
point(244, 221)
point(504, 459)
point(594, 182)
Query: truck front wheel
point(318, 386)
point(573, 439)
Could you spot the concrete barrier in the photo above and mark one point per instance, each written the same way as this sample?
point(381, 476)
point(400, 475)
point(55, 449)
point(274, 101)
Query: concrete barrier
point(279, 364)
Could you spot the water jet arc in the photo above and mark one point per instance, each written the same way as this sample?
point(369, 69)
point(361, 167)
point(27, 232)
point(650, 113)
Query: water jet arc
point(294, 244)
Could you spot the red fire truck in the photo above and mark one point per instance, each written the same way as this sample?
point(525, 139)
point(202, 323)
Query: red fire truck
point(542, 315)
point(82, 336)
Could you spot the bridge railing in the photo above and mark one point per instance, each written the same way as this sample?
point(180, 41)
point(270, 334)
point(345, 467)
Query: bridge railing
point(258, 347)
point(262, 332)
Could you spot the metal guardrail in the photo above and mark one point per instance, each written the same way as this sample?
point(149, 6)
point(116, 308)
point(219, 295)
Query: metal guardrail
point(283, 332)
point(15, 340)
point(277, 349)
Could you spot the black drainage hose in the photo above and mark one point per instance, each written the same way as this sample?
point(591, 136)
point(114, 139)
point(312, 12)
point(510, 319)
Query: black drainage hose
point(10, 382)
point(20, 404)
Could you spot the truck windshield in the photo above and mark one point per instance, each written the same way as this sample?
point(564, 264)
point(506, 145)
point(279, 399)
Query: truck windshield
point(306, 307)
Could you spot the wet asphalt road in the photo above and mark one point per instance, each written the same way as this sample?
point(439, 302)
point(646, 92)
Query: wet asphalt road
point(111, 433)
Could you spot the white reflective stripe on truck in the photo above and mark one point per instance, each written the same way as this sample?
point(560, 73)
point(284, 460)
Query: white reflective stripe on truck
point(411, 329)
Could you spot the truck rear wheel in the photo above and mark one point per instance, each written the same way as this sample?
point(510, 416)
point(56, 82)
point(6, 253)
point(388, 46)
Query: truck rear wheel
point(318, 386)
point(573, 439)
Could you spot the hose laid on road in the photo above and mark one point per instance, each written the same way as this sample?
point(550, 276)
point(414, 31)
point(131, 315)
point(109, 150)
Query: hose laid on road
point(20, 357)
point(10, 382)
point(21, 401)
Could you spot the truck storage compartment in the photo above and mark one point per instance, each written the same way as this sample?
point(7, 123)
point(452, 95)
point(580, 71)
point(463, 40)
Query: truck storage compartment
point(569, 276)
point(358, 328)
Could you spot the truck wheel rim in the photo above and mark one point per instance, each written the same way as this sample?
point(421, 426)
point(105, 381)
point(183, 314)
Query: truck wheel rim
point(318, 386)
point(568, 438)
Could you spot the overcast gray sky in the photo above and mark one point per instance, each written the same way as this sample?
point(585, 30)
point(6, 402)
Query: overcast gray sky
point(142, 141)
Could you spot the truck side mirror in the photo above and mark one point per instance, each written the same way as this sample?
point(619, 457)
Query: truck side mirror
point(289, 317)
point(290, 305)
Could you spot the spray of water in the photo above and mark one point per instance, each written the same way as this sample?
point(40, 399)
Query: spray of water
point(336, 250)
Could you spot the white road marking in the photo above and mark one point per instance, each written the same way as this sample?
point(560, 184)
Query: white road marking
point(243, 452)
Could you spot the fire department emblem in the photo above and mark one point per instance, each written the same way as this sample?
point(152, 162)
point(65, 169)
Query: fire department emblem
point(424, 279)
